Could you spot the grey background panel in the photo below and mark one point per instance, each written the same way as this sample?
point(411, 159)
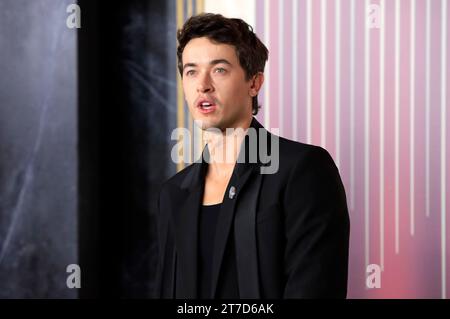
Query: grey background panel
point(38, 149)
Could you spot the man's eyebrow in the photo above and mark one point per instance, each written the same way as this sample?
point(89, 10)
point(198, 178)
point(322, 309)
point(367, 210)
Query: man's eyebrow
point(218, 61)
point(189, 65)
point(213, 62)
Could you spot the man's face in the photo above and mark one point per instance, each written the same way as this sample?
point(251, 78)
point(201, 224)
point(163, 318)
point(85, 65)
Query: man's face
point(212, 74)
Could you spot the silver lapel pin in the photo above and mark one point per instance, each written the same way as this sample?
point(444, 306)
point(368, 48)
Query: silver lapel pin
point(232, 192)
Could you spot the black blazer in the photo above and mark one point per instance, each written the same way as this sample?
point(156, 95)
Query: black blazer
point(287, 234)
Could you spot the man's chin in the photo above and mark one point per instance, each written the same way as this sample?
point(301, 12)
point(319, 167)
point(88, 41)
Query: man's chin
point(206, 125)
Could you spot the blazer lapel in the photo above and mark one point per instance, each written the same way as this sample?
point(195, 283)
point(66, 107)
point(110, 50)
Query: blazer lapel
point(244, 207)
point(224, 223)
point(245, 235)
point(186, 214)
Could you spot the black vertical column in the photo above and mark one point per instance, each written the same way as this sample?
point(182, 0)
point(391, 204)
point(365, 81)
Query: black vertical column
point(127, 109)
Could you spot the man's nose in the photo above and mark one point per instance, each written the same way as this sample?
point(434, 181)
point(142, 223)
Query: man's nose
point(204, 84)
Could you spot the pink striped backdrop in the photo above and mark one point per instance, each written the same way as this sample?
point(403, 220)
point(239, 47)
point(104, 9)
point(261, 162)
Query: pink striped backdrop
point(375, 98)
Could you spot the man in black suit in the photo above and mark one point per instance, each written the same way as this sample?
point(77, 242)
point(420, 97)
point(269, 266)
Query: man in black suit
point(271, 220)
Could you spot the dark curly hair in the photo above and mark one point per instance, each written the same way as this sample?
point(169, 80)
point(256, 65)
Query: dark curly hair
point(251, 52)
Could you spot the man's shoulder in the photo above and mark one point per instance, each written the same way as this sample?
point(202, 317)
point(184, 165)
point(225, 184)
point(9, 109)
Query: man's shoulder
point(177, 179)
point(293, 152)
point(308, 164)
point(293, 148)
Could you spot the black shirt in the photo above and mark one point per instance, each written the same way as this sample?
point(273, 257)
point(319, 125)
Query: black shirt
point(207, 226)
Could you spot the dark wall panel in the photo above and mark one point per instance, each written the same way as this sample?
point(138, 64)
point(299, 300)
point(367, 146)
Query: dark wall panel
point(127, 110)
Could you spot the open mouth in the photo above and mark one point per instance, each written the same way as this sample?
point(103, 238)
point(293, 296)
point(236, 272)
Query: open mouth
point(206, 106)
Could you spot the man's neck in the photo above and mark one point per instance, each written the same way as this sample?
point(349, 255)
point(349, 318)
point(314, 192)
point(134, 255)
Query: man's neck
point(224, 149)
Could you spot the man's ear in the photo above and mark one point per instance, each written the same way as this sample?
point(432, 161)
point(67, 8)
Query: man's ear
point(256, 83)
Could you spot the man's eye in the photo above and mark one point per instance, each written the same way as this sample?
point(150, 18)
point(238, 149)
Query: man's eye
point(190, 72)
point(220, 70)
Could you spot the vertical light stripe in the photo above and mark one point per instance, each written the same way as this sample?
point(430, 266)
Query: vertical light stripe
point(245, 10)
point(427, 109)
point(382, 106)
point(366, 130)
point(323, 65)
point(180, 101)
point(295, 68)
point(443, 144)
point(308, 69)
point(397, 121)
point(412, 114)
point(200, 6)
point(337, 65)
point(281, 91)
point(195, 145)
point(189, 9)
point(267, 75)
point(190, 119)
point(198, 133)
point(352, 105)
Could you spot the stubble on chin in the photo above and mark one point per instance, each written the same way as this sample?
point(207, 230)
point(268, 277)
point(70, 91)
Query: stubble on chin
point(209, 125)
